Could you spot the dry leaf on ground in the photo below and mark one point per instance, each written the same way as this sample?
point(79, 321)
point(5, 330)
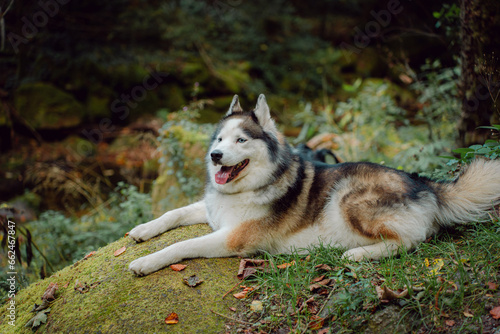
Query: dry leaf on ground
point(172, 319)
point(285, 265)
point(50, 292)
point(120, 251)
point(192, 281)
point(316, 322)
point(495, 312)
point(243, 294)
point(248, 267)
point(89, 255)
point(323, 267)
point(386, 294)
point(178, 267)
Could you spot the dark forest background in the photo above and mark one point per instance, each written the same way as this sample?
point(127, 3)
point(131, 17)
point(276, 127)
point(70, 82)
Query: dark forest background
point(104, 106)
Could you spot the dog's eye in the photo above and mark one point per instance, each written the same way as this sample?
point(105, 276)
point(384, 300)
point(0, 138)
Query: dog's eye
point(241, 140)
point(219, 139)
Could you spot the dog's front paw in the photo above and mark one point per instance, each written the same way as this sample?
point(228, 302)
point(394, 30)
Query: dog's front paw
point(143, 232)
point(143, 266)
point(355, 254)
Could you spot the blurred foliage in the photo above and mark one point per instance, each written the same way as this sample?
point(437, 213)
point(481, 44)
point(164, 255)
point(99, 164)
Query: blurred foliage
point(61, 240)
point(371, 126)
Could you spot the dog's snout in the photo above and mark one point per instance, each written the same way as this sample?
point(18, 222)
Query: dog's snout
point(216, 156)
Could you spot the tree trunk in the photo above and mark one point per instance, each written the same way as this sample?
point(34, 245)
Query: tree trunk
point(479, 86)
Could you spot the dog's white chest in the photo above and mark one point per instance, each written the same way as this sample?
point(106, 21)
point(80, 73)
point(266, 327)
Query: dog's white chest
point(229, 210)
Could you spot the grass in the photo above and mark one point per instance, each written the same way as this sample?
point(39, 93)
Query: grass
point(451, 281)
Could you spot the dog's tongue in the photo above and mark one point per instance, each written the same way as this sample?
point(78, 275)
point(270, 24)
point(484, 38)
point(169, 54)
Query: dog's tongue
point(223, 174)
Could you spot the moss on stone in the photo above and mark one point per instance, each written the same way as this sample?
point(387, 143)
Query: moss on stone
point(44, 106)
point(119, 302)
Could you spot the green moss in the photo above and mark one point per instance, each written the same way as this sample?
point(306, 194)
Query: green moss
point(120, 302)
point(44, 106)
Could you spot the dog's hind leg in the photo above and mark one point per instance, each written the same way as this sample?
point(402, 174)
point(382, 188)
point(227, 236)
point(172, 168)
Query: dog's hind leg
point(207, 246)
point(375, 251)
point(188, 215)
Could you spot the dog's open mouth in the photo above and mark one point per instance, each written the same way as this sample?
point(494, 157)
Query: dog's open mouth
point(228, 173)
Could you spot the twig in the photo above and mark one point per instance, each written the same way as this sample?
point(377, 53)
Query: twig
point(232, 319)
point(234, 287)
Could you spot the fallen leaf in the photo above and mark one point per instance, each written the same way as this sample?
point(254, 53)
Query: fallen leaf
point(50, 292)
point(178, 267)
point(172, 319)
point(232, 309)
point(323, 267)
point(450, 323)
point(316, 322)
point(120, 251)
point(249, 267)
point(324, 331)
point(319, 285)
point(495, 312)
point(89, 255)
point(468, 314)
point(243, 294)
point(126, 234)
point(312, 306)
point(285, 265)
point(492, 286)
point(319, 278)
point(192, 281)
point(38, 319)
point(386, 294)
point(37, 308)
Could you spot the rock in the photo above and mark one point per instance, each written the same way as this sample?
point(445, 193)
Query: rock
point(181, 178)
point(44, 106)
point(387, 320)
point(119, 302)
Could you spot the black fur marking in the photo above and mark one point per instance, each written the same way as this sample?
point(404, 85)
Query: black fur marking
point(289, 199)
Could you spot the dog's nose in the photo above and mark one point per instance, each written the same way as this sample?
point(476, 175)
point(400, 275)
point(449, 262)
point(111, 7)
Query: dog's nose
point(216, 156)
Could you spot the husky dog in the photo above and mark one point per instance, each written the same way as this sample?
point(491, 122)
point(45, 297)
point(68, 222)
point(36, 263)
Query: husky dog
point(261, 196)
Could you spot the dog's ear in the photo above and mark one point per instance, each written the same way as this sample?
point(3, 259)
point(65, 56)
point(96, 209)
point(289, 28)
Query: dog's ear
point(264, 115)
point(235, 106)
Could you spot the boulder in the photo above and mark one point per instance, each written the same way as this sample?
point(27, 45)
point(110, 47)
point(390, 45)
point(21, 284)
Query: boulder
point(45, 106)
point(112, 300)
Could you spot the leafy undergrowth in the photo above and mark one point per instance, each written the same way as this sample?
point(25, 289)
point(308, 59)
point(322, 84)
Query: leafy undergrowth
point(449, 284)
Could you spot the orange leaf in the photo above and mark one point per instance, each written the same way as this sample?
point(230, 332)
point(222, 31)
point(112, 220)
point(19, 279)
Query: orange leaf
point(285, 265)
point(316, 322)
point(243, 294)
point(178, 267)
point(120, 251)
point(495, 312)
point(492, 286)
point(172, 319)
point(450, 323)
point(89, 255)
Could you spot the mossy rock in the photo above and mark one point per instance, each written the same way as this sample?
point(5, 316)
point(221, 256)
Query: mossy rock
point(119, 302)
point(44, 106)
point(167, 192)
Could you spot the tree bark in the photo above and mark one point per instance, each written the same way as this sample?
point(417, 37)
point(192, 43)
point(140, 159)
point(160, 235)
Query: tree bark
point(480, 24)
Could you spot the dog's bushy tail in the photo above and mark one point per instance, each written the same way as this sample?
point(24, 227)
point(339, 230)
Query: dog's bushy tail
point(469, 197)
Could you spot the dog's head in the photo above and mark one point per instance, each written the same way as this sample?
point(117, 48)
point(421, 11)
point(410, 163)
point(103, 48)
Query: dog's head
point(244, 148)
